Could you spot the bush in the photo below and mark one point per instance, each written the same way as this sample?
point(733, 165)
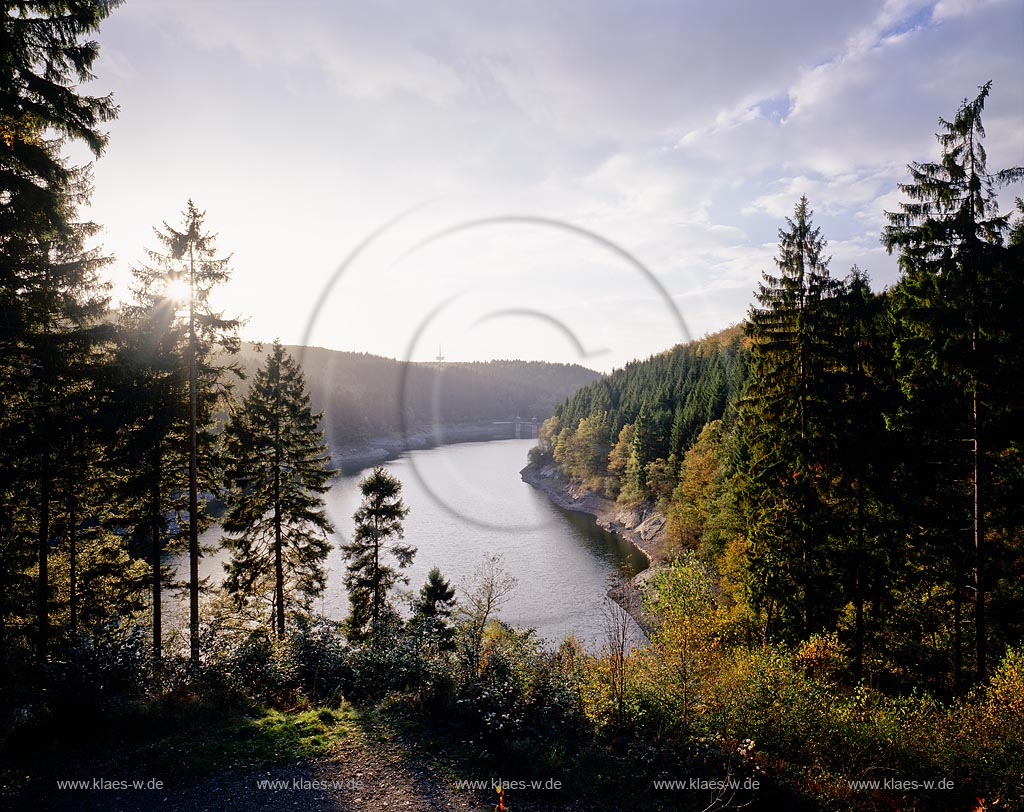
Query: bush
point(522, 707)
point(111, 664)
point(317, 647)
point(249, 662)
point(987, 735)
point(398, 660)
point(822, 737)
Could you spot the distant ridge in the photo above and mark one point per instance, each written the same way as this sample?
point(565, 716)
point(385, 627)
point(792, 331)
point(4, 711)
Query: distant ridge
point(371, 402)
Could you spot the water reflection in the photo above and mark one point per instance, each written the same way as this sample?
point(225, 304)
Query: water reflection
point(562, 560)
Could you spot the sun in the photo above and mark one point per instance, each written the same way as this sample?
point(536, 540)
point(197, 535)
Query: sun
point(177, 290)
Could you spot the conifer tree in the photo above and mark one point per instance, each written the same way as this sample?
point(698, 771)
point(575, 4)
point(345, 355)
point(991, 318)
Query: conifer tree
point(378, 532)
point(642, 451)
point(436, 597)
point(433, 608)
point(100, 579)
point(60, 347)
point(277, 469)
point(950, 236)
point(147, 389)
point(787, 426)
point(49, 297)
point(46, 57)
point(184, 274)
point(866, 456)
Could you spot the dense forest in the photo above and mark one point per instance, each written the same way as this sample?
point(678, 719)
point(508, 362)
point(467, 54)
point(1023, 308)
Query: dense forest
point(840, 607)
point(850, 464)
point(666, 401)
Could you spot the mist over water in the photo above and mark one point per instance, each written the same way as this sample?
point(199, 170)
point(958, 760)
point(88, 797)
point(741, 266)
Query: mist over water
point(466, 501)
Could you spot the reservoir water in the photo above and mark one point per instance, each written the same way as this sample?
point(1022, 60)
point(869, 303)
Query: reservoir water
point(466, 501)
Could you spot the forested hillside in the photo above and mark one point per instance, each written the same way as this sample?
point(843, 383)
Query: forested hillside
point(626, 434)
point(850, 465)
point(365, 397)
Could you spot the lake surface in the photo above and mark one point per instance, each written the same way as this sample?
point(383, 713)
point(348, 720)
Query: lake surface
point(466, 501)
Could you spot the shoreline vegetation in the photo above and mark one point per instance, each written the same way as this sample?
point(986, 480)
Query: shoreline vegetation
point(642, 525)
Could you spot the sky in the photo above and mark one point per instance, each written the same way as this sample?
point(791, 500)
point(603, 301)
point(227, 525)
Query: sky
point(587, 182)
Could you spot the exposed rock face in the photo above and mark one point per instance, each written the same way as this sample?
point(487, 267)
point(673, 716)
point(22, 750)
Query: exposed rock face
point(641, 524)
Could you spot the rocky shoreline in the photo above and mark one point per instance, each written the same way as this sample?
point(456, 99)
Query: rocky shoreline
point(641, 525)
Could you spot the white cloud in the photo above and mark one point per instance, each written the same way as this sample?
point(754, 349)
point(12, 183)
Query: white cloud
point(833, 195)
point(951, 9)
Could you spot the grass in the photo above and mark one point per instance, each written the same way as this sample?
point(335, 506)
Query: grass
point(264, 738)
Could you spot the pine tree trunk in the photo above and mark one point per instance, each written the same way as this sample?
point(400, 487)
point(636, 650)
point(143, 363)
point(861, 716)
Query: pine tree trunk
point(278, 552)
point(979, 545)
point(376, 582)
point(193, 486)
point(979, 526)
point(278, 561)
point(43, 542)
point(858, 647)
point(157, 556)
point(957, 639)
point(807, 521)
point(73, 554)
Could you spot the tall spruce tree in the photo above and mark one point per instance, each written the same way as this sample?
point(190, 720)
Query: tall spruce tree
point(950, 237)
point(50, 300)
point(1005, 610)
point(641, 453)
point(147, 390)
point(378, 531)
point(787, 433)
point(98, 581)
point(62, 349)
point(46, 57)
point(866, 455)
point(278, 466)
point(184, 274)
